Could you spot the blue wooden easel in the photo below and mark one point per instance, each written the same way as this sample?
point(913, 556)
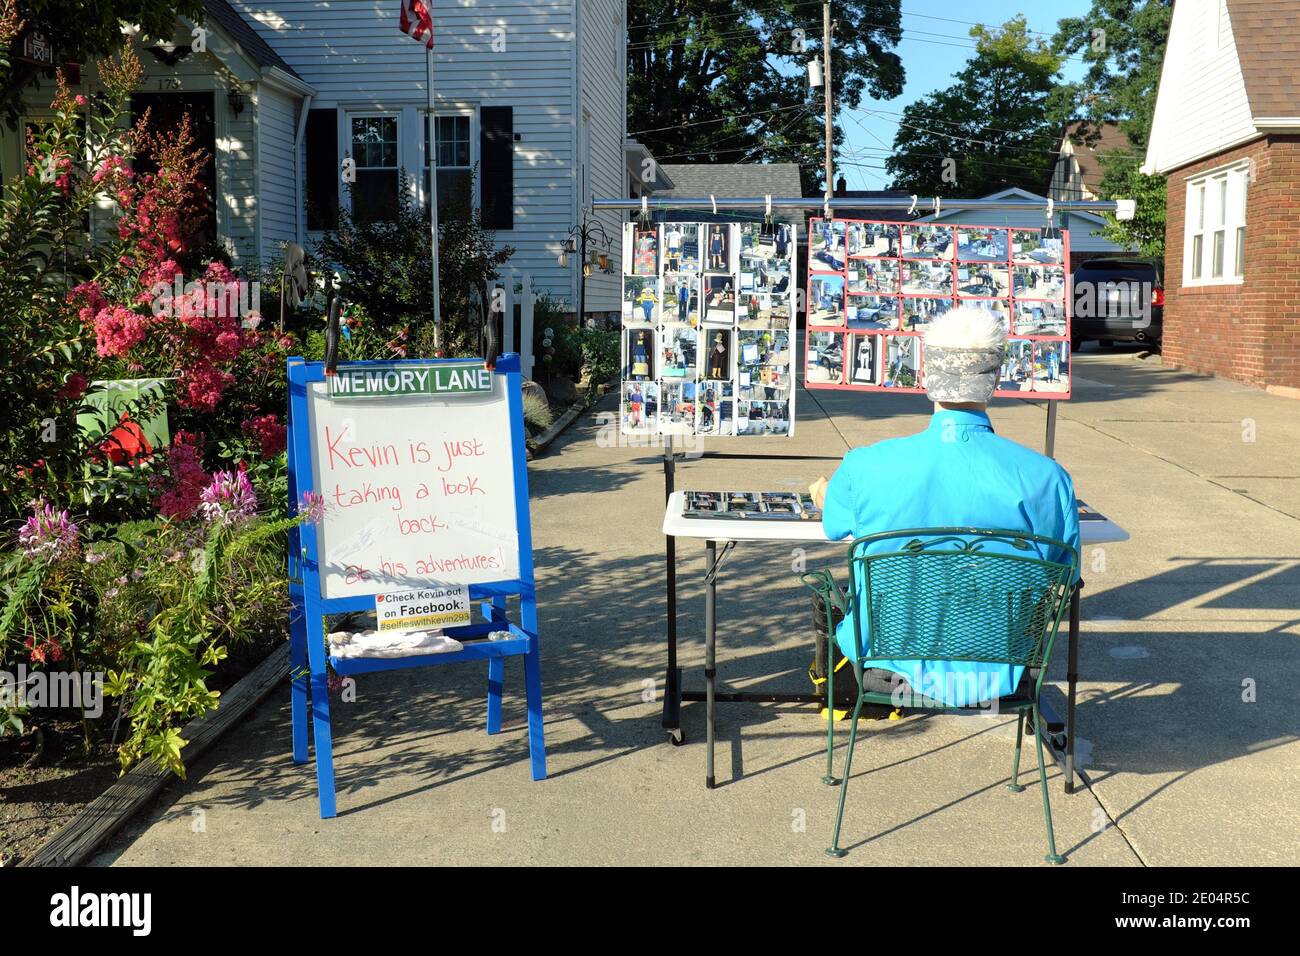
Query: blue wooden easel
point(307, 646)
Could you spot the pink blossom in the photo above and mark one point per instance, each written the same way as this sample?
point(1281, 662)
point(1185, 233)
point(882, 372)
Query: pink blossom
point(229, 499)
point(268, 432)
point(118, 330)
point(48, 534)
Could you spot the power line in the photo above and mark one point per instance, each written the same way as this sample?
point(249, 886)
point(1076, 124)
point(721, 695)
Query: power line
point(723, 119)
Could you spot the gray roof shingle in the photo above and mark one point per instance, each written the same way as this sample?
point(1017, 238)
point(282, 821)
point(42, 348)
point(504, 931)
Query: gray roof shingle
point(242, 32)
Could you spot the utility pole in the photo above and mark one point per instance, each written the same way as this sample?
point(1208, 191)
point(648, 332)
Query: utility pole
point(826, 68)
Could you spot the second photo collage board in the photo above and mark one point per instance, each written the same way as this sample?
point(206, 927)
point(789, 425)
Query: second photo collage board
point(874, 287)
point(706, 329)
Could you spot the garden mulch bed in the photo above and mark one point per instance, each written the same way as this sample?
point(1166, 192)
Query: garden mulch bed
point(46, 782)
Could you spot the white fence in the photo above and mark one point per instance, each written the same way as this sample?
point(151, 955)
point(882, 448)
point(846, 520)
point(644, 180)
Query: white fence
point(515, 288)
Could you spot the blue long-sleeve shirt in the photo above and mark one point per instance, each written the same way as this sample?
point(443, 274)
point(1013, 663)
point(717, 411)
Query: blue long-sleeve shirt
point(956, 473)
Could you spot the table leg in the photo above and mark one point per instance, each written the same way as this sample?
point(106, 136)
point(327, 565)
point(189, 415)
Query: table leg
point(710, 635)
point(1072, 679)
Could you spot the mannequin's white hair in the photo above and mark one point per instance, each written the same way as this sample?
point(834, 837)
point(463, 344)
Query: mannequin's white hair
point(965, 327)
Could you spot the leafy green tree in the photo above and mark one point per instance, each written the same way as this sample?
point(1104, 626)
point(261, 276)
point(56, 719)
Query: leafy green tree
point(1123, 43)
point(81, 32)
point(995, 127)
point(724, 81)
point(1122, 179)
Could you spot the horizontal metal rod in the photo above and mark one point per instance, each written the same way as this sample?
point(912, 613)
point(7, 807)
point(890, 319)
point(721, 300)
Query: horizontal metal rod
point(865, 202)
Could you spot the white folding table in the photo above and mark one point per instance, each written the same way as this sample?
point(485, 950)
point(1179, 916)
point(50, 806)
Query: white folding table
point(1093, 530)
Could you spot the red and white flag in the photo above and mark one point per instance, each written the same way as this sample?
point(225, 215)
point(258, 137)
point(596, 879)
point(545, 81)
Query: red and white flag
point(417, 21)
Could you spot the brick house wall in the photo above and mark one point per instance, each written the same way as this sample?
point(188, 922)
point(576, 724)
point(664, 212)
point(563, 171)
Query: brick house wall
point(1248, 332)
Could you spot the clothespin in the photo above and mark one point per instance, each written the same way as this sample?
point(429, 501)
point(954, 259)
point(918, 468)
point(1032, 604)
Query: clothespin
point(715, 204)
point(767, 218)
point(912, 210)
point(645, 211)
point(826, 205)
point(1051, 205)
point(937, 206)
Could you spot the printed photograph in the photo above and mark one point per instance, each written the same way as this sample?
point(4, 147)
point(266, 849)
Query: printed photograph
point(676, 411)
point(718, 355)
point(826, 245)
point(755, 310)
point(715, 408)
point(984, 279)
point(874, 277)
point(919, 313)
point(826, 300)
point(719, 300)
point(901, 361)
point(982, 245)
point(680, 345)
point(780, 312)
point(1017, 366)
point(825, 365)
point(1039, 318)
point(681, 305)
point(926, 241)
point(762, 418)
point(872, 239)
point(766, 245)
point(640, 407)
point(638, 355)
point(864, 359)
point(873, 312)
point(1039, 282)
point(1036, 246)
point(681, 247)
point(1051, 367)
point(645, 250)
point(640, 302)
point(928, 278)
point(719, 247)
point(764, 369)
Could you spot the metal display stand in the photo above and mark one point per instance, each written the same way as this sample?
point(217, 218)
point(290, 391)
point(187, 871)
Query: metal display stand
point(674, 694)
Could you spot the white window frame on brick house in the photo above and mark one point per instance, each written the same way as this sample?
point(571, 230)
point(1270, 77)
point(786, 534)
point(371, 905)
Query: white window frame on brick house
point(1214, 226)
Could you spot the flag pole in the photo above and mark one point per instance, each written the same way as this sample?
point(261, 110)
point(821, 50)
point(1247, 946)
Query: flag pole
point(433, 198)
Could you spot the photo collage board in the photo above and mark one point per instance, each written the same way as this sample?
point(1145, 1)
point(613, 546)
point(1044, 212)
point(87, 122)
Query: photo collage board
point(874, 287)
point(707, 331)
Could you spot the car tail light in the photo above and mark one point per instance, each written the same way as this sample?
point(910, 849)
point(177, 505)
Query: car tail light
point(1158, 297)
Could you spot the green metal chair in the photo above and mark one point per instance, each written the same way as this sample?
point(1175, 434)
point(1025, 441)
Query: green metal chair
point(940, 594)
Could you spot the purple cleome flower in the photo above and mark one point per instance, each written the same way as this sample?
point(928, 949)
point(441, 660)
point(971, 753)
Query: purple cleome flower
point(229, 498)
point(49, 534)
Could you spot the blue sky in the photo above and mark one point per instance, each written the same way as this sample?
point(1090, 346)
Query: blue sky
point(936, 44)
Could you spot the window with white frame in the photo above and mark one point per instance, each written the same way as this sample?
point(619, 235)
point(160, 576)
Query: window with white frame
point(455, 160)
point(374, 149)
point(1214, 250)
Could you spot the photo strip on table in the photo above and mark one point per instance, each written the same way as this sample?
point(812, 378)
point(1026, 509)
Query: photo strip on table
point(707, 323)
point(874, 287)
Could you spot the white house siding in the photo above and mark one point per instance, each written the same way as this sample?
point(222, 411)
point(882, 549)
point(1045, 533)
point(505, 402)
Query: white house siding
point(603, 77)
point(277, 118)
point(357, 59)
point(1202, 107)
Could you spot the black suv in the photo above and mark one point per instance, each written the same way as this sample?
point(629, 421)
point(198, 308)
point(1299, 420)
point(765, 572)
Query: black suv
point(1118, 300)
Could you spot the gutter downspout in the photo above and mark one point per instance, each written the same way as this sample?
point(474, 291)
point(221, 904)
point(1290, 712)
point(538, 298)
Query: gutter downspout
point(297, 171)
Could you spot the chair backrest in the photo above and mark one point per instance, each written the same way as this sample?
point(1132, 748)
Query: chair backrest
point(959, 594)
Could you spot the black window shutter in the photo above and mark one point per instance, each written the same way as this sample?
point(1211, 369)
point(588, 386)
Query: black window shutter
point(323, 171)
point(497, 166)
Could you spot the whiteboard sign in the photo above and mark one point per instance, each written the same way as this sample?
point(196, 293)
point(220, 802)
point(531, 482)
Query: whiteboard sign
point(401, 612)
point(419, 489)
